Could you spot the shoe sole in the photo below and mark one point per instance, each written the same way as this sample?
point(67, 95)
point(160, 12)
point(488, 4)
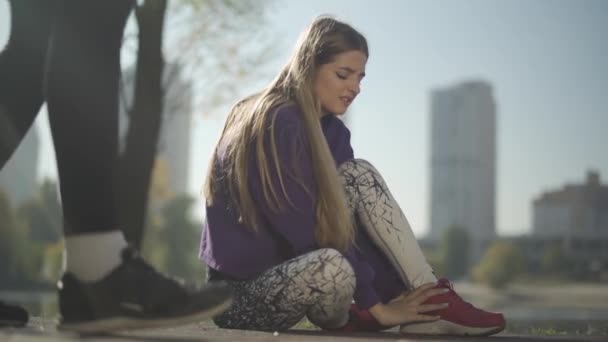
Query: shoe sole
point(129, 323)
point(443, 327)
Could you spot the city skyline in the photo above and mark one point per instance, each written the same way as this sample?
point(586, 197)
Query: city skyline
point(546, 61)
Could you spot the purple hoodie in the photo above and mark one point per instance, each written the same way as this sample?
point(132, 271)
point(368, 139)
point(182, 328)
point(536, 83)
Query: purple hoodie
point(238, 252)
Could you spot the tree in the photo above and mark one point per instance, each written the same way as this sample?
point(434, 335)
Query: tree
point(501, 264)
point(135, 165)
point(7, 232)
point(217, 34)
point(43, 217)
point(172, 236)
point(554, 260)
point(171, 242)
point(154, 247)
point(182, 236)
point(455, 246)
point(43, 214)
point(13, 245)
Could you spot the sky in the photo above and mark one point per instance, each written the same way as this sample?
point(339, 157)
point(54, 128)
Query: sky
point(546, 60)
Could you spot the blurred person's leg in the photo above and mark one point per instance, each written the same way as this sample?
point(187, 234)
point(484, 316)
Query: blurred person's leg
point(81, 87)
point(82, 68)
point(106, 286)
point(21, 71)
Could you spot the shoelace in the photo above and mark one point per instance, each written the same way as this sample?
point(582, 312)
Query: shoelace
point(448, 284)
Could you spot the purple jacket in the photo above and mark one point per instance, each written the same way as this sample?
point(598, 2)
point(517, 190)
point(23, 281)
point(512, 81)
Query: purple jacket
point(237, 251)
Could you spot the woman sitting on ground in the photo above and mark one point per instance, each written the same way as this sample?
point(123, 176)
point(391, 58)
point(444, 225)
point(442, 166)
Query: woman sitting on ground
point(298, 227)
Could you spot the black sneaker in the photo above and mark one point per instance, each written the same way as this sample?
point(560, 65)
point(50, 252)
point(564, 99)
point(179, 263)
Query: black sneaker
point(135, 296)
point(12, 316)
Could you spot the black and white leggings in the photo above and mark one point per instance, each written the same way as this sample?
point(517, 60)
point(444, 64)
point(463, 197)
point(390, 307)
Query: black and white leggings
point(320, 284)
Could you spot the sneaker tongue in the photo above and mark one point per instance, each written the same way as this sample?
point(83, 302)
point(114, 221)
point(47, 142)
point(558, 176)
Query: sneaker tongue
point(152, 289)
point(454, 297)
point(444, 282)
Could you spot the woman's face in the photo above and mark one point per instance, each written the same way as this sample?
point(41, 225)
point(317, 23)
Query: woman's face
point(337, 83)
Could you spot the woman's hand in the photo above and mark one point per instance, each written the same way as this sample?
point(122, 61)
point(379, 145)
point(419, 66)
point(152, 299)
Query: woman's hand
point(408, 308)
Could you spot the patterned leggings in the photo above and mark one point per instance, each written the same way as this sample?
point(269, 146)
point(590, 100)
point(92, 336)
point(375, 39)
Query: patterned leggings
point(320, 284)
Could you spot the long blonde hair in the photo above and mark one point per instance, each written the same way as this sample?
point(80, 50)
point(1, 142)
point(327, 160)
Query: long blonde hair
point(248, 120)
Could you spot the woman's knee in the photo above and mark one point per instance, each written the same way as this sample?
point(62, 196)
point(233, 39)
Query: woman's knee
point(331, 264)
point(357, 164)
point(335, 262)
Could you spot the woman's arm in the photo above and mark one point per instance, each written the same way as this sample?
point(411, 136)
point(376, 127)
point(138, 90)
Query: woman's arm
point(409, 307)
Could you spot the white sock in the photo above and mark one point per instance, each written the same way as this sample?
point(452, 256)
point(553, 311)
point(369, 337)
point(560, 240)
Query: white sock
point(91, 257)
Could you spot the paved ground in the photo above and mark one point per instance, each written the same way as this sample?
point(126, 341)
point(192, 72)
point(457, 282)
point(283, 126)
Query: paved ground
point(44, 331)
point(523, 305)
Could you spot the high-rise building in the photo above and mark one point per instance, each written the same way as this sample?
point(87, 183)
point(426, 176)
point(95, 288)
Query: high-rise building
point(463, 160)
point(18, 178)
point(176, 131)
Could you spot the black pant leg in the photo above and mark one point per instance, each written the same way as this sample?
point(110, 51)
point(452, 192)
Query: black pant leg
point(22, 71)
point(82, 98)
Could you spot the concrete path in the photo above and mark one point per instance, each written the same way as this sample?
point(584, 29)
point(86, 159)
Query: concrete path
point(44, 331)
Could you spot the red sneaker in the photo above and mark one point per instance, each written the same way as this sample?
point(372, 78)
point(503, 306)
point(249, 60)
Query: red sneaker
point(360, 320)
point(459, 318)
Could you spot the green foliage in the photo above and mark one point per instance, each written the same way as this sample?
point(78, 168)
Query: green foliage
point(455, 245)
point(554, 260)
point(11, 231)
point(182, 236)
point(435, 259)
point(43, 218)
point(43, 214)
point(501, 264)
point(172, 241)
point(558, 327)
point(28, 258)
point(226, 42)
point(305, 324)
point(546, 332)
point(19, 260)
